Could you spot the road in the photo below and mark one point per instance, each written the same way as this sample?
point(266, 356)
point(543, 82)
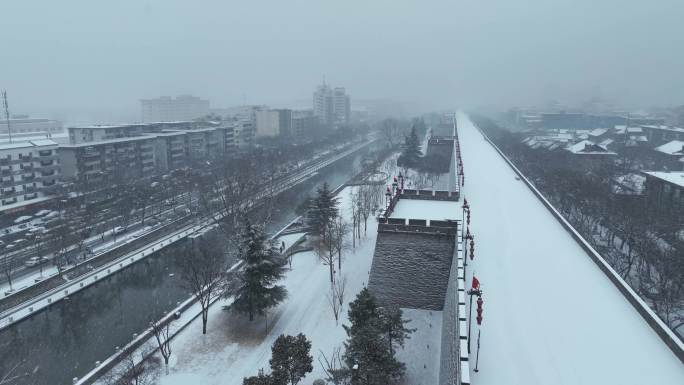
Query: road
point(551, 316)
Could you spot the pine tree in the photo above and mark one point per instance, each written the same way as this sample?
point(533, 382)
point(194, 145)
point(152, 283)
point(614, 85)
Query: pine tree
point(263, 268)
point(394, 327)
point(290, 359)
point(367, 353)
point(410, 155)
point(323, 210)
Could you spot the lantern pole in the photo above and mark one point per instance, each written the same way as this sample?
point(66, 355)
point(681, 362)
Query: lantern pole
point(479, 330)
point(477, 358)
point(471, 293)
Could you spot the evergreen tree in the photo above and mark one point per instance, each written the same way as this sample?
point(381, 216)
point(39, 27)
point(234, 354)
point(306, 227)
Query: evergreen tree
point(323, 210)
point(290, 359)
point(410, 155)
point(367, 352)
point(260, 379)
point(394, 327)
point(263, 268)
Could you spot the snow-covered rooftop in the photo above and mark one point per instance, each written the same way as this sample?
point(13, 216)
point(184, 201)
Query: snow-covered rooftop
point(672, 177)
point(427, 209)
point(675, 147)
point(598, 132)
point(586, 147)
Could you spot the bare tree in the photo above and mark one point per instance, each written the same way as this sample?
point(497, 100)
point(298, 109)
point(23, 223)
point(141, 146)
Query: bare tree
point(134, 369)
point(8, 264)
point(390, 129)
point(202, 270)
point(339, 230)
point(162, 336)
point(334, 303)
point(334, 368)
point(355, 213)
point(325, 249)
point(340, 288)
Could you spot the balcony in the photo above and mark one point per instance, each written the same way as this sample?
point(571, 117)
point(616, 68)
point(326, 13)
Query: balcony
point(8, 193)
point(45, 153)
point(45, 163)
point(30, 196)
point(28, 178)
point(47, 172)
point(9, 201)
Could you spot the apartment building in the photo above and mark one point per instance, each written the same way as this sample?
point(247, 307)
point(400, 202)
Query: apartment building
point(132, 157)
point(29, 171)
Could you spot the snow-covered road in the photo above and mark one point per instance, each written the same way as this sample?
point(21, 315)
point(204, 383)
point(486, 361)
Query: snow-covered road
point(551, 316)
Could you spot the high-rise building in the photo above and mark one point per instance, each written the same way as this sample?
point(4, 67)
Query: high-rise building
point(341, 106)
point(168, 109)
point(323, 104)
point(332, 107)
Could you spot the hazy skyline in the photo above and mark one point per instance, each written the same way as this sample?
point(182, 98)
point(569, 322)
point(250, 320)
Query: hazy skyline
point(95, 60)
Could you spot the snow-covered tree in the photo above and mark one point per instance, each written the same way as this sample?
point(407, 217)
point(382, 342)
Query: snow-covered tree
point(290, 359)
point(323, 210)
point(394, 327)
point(367, 351)
point(410, 154)
point(263, 268)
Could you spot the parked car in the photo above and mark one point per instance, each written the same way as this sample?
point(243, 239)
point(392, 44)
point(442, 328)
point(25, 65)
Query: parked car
point(37, 229)
point(51, 215)
point(42, 213)
point(34, 261)
point(119, 230)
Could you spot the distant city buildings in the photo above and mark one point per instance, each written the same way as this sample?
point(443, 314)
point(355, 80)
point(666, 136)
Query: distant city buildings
point(331, 107)
point(21, 125)
point(29, 172)
point(272, 123)
point(168, 109)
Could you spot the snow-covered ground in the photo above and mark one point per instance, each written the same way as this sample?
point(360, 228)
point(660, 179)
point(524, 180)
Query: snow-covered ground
point(427, 209)
point(235, 348)
point(551, 316)
point(421, 351)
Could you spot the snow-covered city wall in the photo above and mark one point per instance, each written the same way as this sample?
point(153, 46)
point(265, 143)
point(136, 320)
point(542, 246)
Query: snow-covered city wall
point(664, 332)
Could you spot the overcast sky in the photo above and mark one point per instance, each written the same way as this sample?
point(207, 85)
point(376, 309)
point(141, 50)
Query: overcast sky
point(96, 59)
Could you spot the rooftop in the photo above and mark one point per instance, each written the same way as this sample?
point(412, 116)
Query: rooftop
point(586, 147)
point(676, 178)
point(675, 147)
point(427, 209)
point(27, 143)
point(109, 141)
